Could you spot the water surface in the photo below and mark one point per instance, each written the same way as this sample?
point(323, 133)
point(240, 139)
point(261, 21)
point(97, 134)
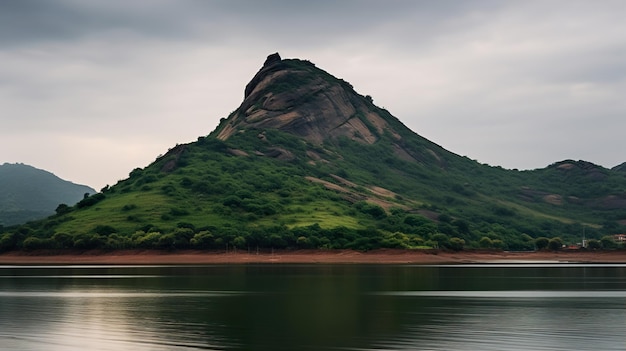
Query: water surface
point(313, 307)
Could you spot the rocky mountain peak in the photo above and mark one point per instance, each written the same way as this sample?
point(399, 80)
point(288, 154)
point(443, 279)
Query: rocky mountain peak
point(271, 60)
point(297, 97)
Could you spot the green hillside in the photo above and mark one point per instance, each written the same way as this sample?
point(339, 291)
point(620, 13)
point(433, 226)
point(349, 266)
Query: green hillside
point(306, 162)
point(28, 193)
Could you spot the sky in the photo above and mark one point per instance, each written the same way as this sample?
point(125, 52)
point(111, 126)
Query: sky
point(91, 90)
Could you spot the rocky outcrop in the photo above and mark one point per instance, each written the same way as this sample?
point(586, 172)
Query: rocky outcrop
point(586, 169)
point(172, 158)
point(271, 60)
point(297, 97)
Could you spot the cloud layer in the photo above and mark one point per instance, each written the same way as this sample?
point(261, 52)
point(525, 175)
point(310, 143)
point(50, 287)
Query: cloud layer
point(91, 90)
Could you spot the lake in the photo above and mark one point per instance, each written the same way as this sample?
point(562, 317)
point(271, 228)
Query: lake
point(314, 307)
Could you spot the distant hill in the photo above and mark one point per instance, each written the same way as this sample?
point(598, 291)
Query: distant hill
point(620, 167)
point(28, 193)
point(307, 162)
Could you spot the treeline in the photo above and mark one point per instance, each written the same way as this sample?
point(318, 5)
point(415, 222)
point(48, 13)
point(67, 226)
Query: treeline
point(417, 233)
point(185, 236)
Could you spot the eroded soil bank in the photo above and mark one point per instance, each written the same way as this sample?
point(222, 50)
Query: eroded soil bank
point(190, 257)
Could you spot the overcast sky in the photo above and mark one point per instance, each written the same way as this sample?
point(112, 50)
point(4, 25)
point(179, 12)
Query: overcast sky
point(90, 90)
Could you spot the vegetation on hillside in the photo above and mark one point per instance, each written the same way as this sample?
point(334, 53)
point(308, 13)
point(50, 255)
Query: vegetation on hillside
point(219, 195)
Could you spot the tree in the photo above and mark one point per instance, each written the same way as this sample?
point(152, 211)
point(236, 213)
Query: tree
point(542, 243)
point(146, 240)
point(594, 244)
point(239, 241)
point(165, 241)
point(62, 209)
point(485, 242)
point(441, 239)
point(182, 236)
point(371, 209)
point(498, 244)
point(277, 241)
point(63, 240)
point(203, 240)
point(303, 242)
point(34, 243)
point(7, 241)
point(88, 241)
point(555, 244)
point(608, 242)
point(456, 244)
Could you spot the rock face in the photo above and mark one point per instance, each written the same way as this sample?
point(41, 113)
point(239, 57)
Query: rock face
point(299, 98)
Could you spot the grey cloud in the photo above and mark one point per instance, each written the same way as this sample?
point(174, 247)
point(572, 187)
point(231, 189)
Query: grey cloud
point(295, 22)
point(26, 21)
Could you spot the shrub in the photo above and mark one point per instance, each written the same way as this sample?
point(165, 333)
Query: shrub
point(91, 200)
point(104, 230)
point(371, 209)
point(414, 220)
point(232, 201)
point(129, 207)
point(62, 209)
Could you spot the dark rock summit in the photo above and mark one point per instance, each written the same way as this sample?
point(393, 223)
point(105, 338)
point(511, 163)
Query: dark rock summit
point(271, 59)
point(295, 96)
point(269, 62)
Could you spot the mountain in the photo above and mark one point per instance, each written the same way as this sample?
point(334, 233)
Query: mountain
point(28, 193)
point(620, 167)
point(307, 162)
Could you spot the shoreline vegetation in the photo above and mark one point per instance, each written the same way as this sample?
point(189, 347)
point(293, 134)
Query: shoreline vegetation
point(381, 256)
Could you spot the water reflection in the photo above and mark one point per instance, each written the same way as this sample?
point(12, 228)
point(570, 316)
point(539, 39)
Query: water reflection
point(324, 307)
point(510, 324)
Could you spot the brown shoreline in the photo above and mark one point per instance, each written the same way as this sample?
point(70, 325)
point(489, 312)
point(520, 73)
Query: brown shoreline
point(192, 257)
